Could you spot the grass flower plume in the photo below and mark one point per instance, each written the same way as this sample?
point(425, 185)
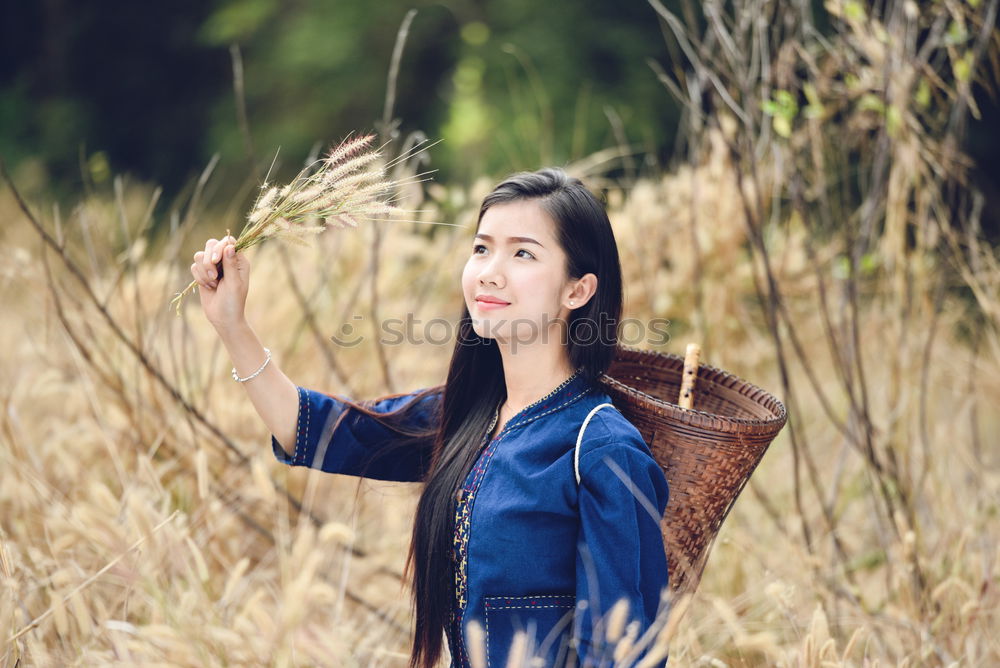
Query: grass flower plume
point(347, 186)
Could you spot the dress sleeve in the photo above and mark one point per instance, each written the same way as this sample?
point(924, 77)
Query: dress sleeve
point(334, 437)
point(620, 552)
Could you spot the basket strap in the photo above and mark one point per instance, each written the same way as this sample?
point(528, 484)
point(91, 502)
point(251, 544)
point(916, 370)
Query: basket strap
point(579, 439)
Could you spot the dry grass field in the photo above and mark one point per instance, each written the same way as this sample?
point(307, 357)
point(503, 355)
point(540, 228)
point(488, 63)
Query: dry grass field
point(816, 235)
point(144, 521)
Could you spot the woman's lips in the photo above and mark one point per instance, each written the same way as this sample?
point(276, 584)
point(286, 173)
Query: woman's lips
point(489, 306)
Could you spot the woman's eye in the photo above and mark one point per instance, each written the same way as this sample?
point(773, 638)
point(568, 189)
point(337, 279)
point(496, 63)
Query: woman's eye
point(475, 251)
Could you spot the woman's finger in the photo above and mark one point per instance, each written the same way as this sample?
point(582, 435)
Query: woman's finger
point(196, 266)
point(202, 268)
point(217, 250)
point(198, 271)
point(230, 262)
point(209, 259)
point(224, 246)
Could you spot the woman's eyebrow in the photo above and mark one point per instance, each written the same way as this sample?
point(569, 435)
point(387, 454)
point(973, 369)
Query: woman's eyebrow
point(524, 240)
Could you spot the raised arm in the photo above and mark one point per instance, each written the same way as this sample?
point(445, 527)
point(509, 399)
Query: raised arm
point(310, 428)
point(223, 301)
point(272, 393)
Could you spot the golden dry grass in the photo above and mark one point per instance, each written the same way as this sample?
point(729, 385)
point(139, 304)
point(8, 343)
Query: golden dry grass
point(210, 565)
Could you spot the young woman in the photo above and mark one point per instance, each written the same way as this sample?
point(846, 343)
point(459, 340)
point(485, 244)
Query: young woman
point(503, 535)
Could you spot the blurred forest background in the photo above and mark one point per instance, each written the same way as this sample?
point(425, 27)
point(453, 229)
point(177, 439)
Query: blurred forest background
point(807, 189)
point(114, 87)
point(148, 90)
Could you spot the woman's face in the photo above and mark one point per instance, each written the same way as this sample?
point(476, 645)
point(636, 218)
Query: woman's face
point(516, 258)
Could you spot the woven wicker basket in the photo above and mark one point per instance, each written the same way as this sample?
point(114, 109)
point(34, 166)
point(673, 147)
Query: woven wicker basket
point(707, 453)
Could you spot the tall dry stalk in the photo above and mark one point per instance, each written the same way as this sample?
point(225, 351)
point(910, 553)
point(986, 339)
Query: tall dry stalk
point(852, 135)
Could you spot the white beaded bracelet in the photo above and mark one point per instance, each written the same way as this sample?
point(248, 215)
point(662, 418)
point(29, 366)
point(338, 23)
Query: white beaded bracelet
point(237, 378)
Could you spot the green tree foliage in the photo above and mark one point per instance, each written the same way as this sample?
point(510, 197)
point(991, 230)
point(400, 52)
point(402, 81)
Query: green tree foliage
point(507, 84)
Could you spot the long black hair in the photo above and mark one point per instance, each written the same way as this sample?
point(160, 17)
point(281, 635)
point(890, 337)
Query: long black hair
point(475, 387)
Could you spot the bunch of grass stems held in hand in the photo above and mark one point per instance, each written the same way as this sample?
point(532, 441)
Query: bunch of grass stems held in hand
point(349, 185)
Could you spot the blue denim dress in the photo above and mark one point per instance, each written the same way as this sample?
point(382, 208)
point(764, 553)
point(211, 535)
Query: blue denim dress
point(532, 550)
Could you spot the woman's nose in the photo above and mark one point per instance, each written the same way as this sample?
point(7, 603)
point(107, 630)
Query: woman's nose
point(491, 272)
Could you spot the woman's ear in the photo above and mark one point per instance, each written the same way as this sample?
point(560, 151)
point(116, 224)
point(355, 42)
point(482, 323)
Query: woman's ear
point(582, 290)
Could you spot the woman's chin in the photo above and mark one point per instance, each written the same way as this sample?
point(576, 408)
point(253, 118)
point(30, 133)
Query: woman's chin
point(488, 329)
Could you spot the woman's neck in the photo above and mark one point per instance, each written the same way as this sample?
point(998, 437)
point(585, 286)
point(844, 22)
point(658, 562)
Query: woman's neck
point(532, 372)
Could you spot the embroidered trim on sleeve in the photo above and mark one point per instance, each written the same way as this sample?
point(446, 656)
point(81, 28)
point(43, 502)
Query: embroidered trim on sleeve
point(302, 428)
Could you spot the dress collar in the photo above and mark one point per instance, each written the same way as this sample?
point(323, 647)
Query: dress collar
point(569, 389)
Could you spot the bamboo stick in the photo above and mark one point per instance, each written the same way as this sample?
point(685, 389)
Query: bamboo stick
point(690, 376)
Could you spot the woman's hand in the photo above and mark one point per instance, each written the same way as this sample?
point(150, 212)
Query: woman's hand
point(223, 299)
